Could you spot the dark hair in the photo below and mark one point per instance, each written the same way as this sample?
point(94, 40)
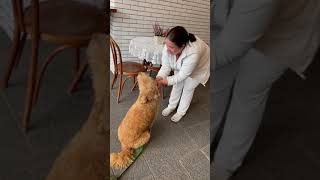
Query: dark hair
point(180, 36)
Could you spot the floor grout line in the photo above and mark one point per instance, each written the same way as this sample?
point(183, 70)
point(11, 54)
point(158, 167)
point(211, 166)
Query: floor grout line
point(152, 173)
point(185, 169)
point(201, 150)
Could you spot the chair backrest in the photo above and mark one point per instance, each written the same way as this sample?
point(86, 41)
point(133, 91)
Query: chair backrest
point(18, 9)
point(116, 55)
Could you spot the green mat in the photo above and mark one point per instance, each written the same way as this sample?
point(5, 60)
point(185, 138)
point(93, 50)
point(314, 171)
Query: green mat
point(137, 153)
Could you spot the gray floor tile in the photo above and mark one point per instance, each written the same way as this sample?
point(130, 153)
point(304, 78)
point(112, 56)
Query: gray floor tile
point(206, 151)
point(200, 133)
point(197, 165)
point(12, 140)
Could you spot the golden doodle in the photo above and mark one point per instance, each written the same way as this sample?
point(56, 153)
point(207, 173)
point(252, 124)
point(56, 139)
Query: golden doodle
point(134, 130)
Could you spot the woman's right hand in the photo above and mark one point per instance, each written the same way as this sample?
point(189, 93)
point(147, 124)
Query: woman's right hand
point(158, 81)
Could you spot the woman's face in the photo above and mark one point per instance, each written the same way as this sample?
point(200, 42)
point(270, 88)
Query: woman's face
point(172, 48)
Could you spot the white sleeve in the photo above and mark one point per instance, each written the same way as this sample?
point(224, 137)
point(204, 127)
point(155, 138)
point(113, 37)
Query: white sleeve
point(165, 65)
point(187, 68)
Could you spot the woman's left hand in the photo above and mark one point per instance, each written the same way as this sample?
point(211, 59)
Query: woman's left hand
point(163, 81)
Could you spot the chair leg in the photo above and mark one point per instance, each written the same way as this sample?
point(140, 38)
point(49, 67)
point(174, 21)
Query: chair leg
point(31, 82)
point(12, 60)
point(119, 89)
point(114, 79)
point(135, 85)
point(76, 61)
point(21, 47)
point(77, 78)
point(43, 69)
point(135, 82)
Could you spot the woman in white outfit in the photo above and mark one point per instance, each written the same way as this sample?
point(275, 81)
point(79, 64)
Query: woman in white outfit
point(189, 58)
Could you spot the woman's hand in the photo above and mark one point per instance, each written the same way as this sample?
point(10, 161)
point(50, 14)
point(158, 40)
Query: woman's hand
point(158, 78)
point(161, 81)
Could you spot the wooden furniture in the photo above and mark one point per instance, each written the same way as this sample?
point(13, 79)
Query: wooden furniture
point(84, 66)
point(128, 68)
point(66, 23)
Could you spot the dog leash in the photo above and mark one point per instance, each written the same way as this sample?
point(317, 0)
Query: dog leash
point(137, 153)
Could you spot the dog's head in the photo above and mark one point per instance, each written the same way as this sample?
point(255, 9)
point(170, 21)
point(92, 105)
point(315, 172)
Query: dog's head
point(148, 88)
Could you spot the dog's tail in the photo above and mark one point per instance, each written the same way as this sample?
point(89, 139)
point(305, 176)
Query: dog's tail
point(121, 159)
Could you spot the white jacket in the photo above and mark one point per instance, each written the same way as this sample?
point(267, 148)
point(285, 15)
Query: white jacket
point(194, 62)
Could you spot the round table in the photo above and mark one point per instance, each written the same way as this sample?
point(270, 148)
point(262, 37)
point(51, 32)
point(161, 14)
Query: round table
point(146, 49)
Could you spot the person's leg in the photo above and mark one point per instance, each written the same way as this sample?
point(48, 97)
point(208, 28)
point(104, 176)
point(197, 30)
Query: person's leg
point(253, 83)
point(221, 86)
point(186, 97)
point(174, 98)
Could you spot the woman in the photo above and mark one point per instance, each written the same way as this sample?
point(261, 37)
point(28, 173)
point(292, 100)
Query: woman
point(254, 43)
point(189, 58)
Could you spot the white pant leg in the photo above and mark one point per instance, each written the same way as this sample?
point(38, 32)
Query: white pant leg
point(187, 94)
point(175, 94)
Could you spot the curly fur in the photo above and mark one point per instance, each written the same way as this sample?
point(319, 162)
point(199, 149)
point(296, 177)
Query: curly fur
point(134, 130)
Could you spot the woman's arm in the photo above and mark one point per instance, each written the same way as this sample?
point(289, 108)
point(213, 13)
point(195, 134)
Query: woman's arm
point(187, 68)
point(165, 65)
point(246, 23)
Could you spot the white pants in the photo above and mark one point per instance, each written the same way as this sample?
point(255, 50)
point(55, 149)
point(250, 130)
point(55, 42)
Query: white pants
point(183, 89)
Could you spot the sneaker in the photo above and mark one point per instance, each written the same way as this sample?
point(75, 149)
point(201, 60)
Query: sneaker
point(167, 111)
point(176, 117)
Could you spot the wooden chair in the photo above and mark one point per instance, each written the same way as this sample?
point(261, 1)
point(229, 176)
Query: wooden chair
point(128, 68)
point(66, 23)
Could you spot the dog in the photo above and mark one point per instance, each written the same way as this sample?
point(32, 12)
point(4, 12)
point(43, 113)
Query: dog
point(135, 129)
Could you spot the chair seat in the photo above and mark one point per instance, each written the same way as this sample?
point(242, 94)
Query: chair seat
point(66, 21)
point(131, 68)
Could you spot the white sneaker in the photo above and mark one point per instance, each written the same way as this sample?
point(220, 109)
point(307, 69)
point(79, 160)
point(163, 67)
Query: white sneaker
point(167, 111)
point(176, 117)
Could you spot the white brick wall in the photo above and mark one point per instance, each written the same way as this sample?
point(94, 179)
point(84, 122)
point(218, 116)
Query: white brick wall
point(136, 17)
point(6, 14)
